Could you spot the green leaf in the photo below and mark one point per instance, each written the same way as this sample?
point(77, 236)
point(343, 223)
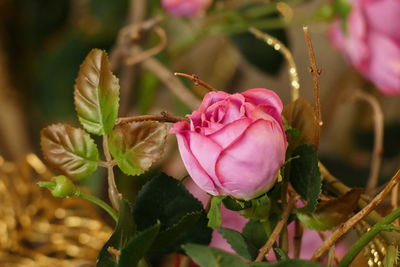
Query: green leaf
point(96, 94)
point(123, 232)
point(171, 234)
point(305, 176)
point(136, 248)
point(259, 210)
point(286, 263)
point(69, 150)
point(137, 145)
point(165, 199)
point(239, 243)
point(331, 213)
point(281, 255)
point(255, 232)
point(214, 214)
point(236, 204)
point(211, 257)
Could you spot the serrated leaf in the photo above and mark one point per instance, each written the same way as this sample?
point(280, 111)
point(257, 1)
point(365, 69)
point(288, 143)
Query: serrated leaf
point(214, 213)
point(69, 150)
point(300, 115)
point(165, 199)
point(137, 145)
point(286, 263)
point(211, 257)
point(137, 247)
point(305, 176)
point(96, 94)
point(123, 232)
point(239, 243)
point(331, 213)
point(236, 204)
point(255, 232)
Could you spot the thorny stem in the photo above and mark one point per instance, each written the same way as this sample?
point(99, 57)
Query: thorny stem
point(383, 225)
point(113, 193)
point(99, 203)
point(315, 73)
point(164, 117)
point(280, 47)
point(335, 186)
point(275, 233)
point(346, 226)
point(195, 79)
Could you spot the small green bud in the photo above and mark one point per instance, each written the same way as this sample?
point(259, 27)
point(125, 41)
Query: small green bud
point(61, 186)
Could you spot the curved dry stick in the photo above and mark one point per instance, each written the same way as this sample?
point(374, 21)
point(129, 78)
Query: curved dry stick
point(378, 138)
point(152, 51)
point(346, 226)
point(280, 47)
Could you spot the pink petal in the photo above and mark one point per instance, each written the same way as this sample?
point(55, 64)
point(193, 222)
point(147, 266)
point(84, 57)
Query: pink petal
point(195, 170)
point(230, 132)
point(206, 151)
point(384, 70)
point(249, 166)
point(383, 17)
point(211, 98)
point(261, 96)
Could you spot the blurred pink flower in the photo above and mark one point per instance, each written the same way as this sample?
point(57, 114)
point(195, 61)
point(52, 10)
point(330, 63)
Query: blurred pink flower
point(186, 8)
point(371, 41)
point(235, 143)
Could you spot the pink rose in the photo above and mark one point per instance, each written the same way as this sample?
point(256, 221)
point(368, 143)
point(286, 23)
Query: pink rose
point(186, 8)
point(235, 143)
point(372, 41)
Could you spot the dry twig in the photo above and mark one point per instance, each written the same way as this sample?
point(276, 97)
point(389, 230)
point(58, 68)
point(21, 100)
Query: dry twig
point(315, 73)
point(195, 79)
point(346, 226)
point(378, 138)
point(275, 233)
point(164, 117)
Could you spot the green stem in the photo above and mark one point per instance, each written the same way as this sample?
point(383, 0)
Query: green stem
point(391, 256)
point(99, 203)
point(383, 225)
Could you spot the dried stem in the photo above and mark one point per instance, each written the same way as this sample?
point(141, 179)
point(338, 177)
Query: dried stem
point(275, 233)
point(378, 138)
point(164, 117)
point(394, 201)
point(315, 73)
point(345, 227)
point(113, 193)
point(172, 82)
point(335, 186)
point(195, 79)
point(331, 256)
point(298, 235)
point(280, 47)
point(137, 58)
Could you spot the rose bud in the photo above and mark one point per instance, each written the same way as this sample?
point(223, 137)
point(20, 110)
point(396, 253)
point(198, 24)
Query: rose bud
point(370, 39)
point(234, 144)
point(60, 186)
point(186, 8)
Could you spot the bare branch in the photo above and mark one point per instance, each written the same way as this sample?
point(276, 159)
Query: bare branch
point(346, 226)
